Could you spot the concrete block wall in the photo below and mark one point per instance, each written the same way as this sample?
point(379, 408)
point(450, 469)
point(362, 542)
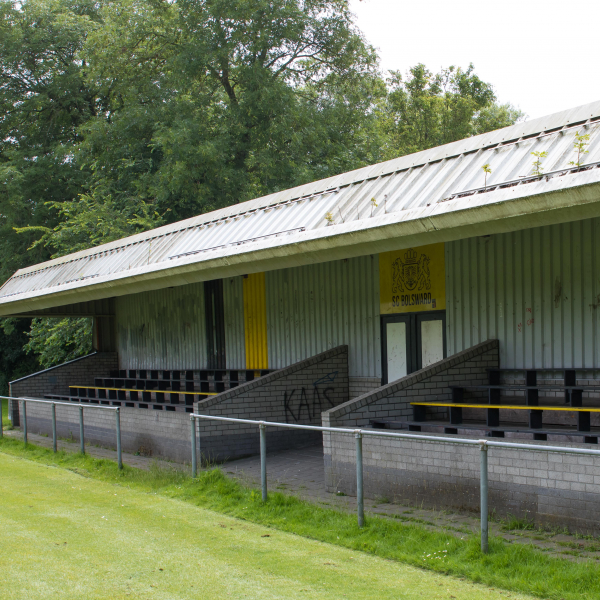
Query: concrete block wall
point(547, 488)
point(149, 432)
point(430, 384)
point(359, 386)
point(295, 394)
point(56, 380)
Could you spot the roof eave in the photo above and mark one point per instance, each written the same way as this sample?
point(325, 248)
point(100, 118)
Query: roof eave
point(512, 209)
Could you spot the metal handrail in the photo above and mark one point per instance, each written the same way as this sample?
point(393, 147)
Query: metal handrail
point(54, 404)
point(483, 444)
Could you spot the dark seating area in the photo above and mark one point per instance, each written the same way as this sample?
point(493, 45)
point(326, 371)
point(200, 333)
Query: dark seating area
point(169, 390)
point(505, 398)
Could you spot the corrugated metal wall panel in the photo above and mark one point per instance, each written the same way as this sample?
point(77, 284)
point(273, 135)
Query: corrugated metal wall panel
point(164, 329)
point(313, 308)
point(537, 290)
point(233, 297)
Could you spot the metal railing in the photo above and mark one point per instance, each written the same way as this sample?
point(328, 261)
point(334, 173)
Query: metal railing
point(54, 404)
point(484, 445)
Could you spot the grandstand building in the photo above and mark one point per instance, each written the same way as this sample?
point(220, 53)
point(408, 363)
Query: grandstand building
point(414, 294)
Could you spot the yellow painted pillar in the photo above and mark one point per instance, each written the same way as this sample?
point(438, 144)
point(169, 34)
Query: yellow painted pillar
point(255, 322)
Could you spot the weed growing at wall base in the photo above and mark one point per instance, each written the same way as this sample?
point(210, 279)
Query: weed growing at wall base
point(6, 423)
point(512, 567)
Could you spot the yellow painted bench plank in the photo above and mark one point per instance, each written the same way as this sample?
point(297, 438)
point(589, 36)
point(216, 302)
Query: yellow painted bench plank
point(510, 406)
point(94, 387)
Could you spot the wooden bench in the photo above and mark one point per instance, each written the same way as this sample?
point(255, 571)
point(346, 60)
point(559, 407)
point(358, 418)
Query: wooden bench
point(151, 405)
point(573, 397)
point(569, 376)
point(493, 412)
point(118, 393)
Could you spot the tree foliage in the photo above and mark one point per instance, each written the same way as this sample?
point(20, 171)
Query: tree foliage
point(54, 341)
point(120, 116)
point(425, 109)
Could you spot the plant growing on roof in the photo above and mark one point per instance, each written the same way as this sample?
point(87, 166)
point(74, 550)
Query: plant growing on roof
point(329, 218)
point(537, 163)
point(579, 146)
point(373, 205)
point(486, 170)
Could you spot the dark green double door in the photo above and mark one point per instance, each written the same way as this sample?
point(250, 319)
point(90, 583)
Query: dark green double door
point(410, 342)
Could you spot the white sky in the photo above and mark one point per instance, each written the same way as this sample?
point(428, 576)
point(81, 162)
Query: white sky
point(540, 56)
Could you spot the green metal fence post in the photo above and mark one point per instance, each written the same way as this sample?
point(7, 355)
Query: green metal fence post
point(484, 496)
point(81, 440)
point(24, 422)
point(54, 443)
point(1, 417)
point(194, 451)
point(118, 423)
point(360, 506)
point(263, 460)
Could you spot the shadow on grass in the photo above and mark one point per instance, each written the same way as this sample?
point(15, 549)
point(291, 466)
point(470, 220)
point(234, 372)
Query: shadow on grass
point(515, 567)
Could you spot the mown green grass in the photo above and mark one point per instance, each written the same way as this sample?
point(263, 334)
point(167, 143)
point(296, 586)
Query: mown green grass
point(512, 567)
point(67, 536)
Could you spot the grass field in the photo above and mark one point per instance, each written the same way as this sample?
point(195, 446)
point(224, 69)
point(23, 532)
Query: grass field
point(514, 567)
point(68, 536)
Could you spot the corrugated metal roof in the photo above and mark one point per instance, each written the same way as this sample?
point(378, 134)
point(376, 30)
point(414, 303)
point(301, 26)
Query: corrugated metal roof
point(437, 181)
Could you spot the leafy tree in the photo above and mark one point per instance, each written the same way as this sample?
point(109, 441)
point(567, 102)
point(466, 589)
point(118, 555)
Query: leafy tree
point(232, 99)
point(14, 363)
point(119, 116)
point(56, 341)
point(43, 102)
point(424, 110)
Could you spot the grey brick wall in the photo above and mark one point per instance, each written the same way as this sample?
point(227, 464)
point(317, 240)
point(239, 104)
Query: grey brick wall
point(56, 380)
point(468, 367)
point(323, 377)
point(150, 432)
point(295, 394)
point(547, 488)
point(359, 386)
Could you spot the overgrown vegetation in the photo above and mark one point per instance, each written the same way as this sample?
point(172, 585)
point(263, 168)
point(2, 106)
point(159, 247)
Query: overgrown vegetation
point(509, 566)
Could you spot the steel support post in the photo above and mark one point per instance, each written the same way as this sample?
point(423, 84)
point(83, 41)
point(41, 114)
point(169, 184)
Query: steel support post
point(54, 442)
point(118, 424)
point(81, 440)
point(193, 440)
point(484, 497)
point(24, 422)
point(263, 460)
point(360, 505)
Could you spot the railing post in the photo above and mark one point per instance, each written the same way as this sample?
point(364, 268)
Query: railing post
point(194, 451)
point(484, 496)
point(81, 440)
point(54, 442)
point(24, 422)
point(118, 423)
point(360, 507)
point(263, 460)
point(2, 416)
